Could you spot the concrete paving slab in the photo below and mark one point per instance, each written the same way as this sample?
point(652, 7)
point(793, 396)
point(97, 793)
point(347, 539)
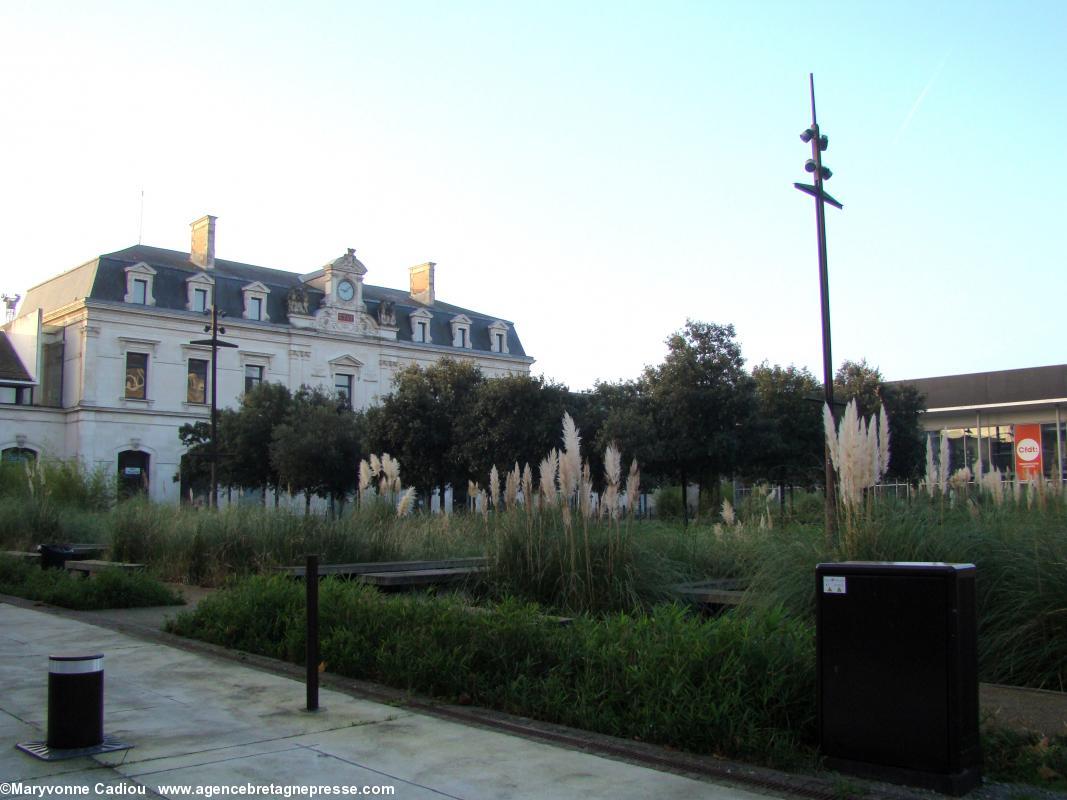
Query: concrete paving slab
point(306, 765)
point(464, 761)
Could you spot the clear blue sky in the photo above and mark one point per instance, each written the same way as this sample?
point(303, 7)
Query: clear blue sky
point(595, 172)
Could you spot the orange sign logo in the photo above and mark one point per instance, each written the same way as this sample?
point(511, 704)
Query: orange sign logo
point(1028, 461)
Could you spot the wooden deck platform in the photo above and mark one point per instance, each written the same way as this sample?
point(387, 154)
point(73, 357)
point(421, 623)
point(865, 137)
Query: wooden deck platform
point(711, 592)
point(90, 566)
point(34, 558)
point(400, 574)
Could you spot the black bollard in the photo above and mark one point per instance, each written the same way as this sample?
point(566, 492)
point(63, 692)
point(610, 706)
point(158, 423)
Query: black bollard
point(75, 701)
point(311, 583)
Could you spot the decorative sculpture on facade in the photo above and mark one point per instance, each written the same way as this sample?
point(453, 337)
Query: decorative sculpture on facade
point(387, 313)
point(297, 298)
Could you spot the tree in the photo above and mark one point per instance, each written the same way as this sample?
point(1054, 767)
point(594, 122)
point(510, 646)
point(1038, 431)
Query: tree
point(860, 381)
point(418, 423)
point(511, 420)
point(317, 449)
point(701, 402)
point(249, 433)
point(786, 444)
point(621, 413)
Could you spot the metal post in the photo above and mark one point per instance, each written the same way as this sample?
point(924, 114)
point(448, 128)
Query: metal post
point(214, 343)
point(214, 407)
point(818, 144)
point(1059, 445)
point(311, 583)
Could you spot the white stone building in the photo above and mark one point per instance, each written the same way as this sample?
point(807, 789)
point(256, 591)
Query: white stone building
point(99, 363)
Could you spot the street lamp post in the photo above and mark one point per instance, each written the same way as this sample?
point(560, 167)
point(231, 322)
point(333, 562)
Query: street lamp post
point(819, 143)
point(214, 343)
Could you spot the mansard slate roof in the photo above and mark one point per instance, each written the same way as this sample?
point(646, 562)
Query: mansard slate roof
point(105, 279)
point(11, 368)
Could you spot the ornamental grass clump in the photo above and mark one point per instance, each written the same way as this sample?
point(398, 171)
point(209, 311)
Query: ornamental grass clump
point(562, 544)
point(859, 451)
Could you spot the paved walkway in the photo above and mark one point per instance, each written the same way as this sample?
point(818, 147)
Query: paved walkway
point(199, 721)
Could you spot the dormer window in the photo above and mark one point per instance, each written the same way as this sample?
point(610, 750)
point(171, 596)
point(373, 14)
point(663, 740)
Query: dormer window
point(255, 297)
point(461, 331)
point(498, 337)
point(139, 280)
point(420, 326)
point(200, 290)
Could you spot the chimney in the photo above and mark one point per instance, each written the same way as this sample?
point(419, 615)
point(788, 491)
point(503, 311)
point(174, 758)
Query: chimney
point(422, 283)
point(202, 250)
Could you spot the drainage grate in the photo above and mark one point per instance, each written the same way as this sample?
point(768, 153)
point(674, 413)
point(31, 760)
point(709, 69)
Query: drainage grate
point(42, 751)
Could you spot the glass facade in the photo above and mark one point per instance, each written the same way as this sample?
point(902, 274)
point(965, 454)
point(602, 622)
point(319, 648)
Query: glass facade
point(996, 443)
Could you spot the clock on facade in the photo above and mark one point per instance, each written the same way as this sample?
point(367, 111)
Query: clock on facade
point(345, 290)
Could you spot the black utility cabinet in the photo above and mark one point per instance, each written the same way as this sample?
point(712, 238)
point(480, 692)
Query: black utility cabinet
point(897, 651)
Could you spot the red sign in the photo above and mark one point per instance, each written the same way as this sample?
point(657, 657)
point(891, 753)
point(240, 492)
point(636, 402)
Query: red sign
point(1028, 462)
point(343, 317)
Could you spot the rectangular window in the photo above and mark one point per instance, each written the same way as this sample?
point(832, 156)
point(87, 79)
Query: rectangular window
point(253, 377)
point(136, 376)
point(9, 395)
point(255, 308)
point(197, 391)
point(500, 343)
point(421, 335)
point(342, 384)
point(462, 337)
point(199, 299)
point(140, 291)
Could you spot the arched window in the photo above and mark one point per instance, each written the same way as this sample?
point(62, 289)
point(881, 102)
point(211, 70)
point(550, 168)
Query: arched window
point(18, 455)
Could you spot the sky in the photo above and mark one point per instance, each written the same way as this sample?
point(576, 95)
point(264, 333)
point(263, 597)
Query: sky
point(595, 172)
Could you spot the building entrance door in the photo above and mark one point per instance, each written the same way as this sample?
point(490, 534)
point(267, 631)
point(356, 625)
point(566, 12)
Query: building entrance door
point(133, 473)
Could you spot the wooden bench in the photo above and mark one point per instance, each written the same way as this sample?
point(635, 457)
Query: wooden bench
point(391, 575)
point(34, 558)
point(92, 566)
point(711, 592)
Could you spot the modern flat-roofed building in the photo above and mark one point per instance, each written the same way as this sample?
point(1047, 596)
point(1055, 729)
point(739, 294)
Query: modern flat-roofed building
point(982, 413)
point(105, 362)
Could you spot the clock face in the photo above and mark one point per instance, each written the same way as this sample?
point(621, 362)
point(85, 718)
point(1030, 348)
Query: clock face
point(345, 290)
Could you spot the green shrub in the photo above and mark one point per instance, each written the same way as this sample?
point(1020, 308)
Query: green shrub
point(1023, 757)
point(108, 589)
point(739, 686)
point(668, 500)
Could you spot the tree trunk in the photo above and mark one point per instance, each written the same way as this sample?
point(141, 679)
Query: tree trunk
point(307, 502)
point(685, 502)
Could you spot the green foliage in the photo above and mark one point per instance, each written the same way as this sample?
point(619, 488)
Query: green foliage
point(250, 432)
point(317, 449)
point(207, 548)
point(109, 589)
point(591, 565)
point(668, 501)
point(423, 423)
point(701, 400)
point(1014, 756)
point(733, 686)
point(511, 420)
point(786, 440)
